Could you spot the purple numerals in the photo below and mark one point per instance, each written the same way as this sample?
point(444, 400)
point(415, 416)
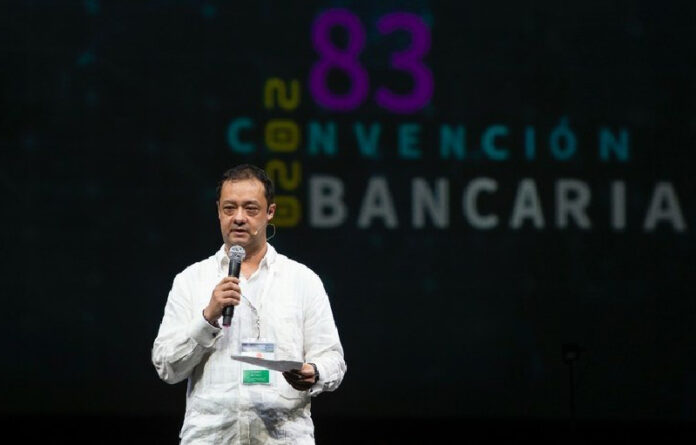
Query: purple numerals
point(346, 60)
point(338, 58)
point(408, 60)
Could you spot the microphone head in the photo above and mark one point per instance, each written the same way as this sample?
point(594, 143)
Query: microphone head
point(236, 253)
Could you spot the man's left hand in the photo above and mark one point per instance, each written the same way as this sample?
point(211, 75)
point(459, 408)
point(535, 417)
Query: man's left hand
point(301, 379)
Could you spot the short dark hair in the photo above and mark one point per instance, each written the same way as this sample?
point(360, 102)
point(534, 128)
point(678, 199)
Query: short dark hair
point(248, 171)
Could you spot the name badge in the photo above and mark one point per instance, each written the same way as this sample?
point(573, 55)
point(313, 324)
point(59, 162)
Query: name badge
point(256, 375)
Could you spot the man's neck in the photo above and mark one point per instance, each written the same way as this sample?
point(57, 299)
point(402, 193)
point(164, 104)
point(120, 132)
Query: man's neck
point(252, 260)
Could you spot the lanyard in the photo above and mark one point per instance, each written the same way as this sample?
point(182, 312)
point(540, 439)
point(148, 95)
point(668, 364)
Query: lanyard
point(264, 292)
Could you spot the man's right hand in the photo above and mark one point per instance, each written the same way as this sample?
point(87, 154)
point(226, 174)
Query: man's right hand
point(226, 293)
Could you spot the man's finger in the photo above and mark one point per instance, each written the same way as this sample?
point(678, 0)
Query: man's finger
point(291, 375)
point(229, 287)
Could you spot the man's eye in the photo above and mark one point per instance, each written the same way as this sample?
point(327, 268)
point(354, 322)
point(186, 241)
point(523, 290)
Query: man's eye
point(252, 209)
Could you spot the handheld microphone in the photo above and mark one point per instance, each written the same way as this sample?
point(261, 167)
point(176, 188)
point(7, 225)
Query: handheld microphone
point(236, 255)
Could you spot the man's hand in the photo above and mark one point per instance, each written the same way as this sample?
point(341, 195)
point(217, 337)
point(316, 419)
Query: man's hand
point(226, 293)
point(302, 379)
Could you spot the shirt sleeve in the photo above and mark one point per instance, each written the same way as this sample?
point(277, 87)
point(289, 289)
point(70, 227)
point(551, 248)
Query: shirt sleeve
point(322, 344)
point(184, 336)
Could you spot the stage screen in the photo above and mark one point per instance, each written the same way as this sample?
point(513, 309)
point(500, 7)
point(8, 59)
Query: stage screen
point(495, 195)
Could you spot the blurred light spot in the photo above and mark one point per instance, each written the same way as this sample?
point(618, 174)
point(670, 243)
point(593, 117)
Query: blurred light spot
point(86, 58)
point(428, 19)
point(92, 6)
point(209, 11)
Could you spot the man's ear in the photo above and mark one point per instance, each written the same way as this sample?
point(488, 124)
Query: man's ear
point(271, 212)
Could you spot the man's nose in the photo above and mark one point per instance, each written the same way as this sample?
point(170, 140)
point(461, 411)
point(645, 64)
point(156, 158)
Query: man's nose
point(238, 215)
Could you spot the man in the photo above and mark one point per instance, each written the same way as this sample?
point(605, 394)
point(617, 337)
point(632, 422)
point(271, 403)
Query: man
point(280, 309)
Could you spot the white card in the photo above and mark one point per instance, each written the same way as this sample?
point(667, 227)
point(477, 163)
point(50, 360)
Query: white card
point(275, 365)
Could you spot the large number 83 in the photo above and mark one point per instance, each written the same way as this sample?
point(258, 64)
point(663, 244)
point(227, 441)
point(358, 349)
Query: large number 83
point(346, 60)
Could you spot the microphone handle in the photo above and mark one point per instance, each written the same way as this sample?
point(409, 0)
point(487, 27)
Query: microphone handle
point(228, 312)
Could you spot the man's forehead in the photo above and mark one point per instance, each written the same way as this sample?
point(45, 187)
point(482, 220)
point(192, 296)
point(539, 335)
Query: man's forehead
point(252, 189)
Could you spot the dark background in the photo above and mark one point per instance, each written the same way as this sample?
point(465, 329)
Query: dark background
point(113, 135)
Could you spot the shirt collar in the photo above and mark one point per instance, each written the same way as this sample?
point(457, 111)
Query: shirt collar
point(223, 261)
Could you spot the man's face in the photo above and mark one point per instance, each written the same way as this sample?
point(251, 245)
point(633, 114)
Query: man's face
point(244, 213)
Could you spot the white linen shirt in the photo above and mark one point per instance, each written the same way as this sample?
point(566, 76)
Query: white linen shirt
point(283, 302)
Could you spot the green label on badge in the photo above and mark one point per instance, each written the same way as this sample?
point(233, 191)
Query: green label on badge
point(256, 376)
